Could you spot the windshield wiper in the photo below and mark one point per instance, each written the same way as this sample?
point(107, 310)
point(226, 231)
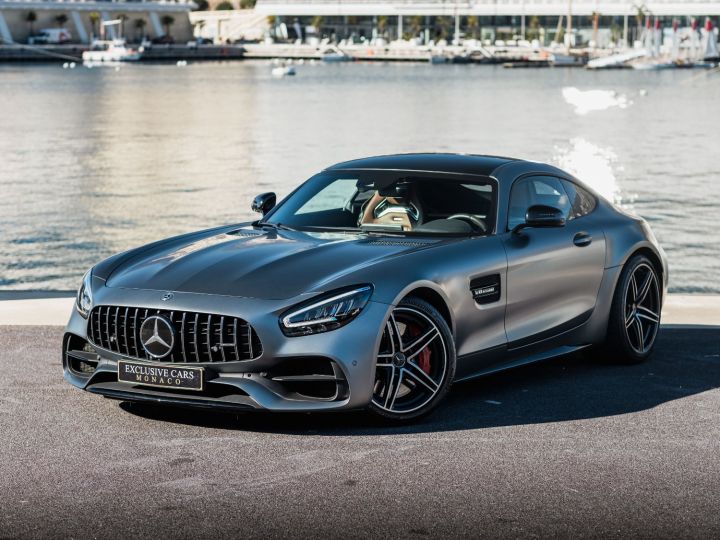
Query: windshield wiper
point(276, 226)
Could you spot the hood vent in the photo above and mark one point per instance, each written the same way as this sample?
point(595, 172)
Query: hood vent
point(400, 243)
point(246, 234)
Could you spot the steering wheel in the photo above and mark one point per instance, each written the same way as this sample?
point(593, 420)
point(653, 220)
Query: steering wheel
point(474, 222)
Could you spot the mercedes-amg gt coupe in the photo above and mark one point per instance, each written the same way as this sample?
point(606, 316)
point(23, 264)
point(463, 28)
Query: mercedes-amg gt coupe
point(374, 285)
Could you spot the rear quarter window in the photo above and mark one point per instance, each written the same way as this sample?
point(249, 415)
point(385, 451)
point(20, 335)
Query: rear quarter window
point(582, 201)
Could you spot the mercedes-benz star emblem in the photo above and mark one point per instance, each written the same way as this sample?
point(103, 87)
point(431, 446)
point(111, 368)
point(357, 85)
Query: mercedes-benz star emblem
point(157, 336)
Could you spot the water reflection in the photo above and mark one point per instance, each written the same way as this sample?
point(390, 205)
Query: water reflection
point(594, 165)
point(594, 100)
point(93, 162)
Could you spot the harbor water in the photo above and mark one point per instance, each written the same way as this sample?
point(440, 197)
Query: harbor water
point(96, 161)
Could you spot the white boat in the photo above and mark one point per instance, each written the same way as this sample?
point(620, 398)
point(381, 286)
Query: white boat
point(115, 50)
point(283, 71)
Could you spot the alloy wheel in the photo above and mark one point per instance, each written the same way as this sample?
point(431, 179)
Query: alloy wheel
point(642, 308)
point(412, 362)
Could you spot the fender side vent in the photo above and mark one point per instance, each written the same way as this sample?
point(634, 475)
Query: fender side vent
point(486, 289)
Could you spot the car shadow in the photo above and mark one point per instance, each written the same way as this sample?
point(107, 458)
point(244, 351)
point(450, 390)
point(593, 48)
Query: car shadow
point(686, 362)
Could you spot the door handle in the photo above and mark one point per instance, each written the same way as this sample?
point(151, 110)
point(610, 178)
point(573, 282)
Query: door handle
point(582, 239)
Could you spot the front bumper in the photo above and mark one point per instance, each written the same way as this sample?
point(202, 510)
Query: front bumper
point(328, 371)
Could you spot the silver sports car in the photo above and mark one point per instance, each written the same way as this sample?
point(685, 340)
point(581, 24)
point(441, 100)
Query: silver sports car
point(375, 284)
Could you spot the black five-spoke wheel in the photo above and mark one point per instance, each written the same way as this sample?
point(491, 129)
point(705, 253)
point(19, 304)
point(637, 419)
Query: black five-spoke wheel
point(642, 308)
point(635, 314)
point(415, 363)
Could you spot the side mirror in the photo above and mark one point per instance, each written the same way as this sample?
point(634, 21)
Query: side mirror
point(264, 202)
point(540, 215)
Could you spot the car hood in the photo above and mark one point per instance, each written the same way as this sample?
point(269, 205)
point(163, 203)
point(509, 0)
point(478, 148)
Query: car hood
point(257, 264)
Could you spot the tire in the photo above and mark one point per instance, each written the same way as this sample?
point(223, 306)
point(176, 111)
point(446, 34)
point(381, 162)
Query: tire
point(635, 313)
point(415, 362)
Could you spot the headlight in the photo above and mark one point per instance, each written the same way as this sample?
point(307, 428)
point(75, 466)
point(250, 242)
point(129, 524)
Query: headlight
point(83, 302)
point(328, 313)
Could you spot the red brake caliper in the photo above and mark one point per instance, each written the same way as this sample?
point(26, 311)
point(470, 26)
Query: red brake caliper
point(423, 359)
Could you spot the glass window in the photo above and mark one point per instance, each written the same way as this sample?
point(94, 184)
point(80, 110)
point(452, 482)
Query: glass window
point(335, 195)
point(582, 201)
point(532, 190)
point(392, 201)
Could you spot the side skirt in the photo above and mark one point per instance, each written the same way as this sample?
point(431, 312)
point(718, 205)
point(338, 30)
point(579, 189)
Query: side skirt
point(490, 361)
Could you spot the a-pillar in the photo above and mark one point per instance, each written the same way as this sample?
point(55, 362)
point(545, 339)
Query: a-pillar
point(400, 27)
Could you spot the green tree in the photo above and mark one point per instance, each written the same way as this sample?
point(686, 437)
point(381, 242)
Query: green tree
point(533, 28)
point(61, 19)
point(202, 5)
point(415, 23)
point(30, 18)
point(139, 25)
point(247, 4)
point(224, 6)
point(382, 22)
point(442, 25)
point(318, 22)
point(122, 18)
point(473, 24)
point(94, 21)
point(167, 21)
point(640, 14)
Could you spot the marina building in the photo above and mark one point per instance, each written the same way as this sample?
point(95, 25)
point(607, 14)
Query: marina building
point(81, 19)
point(608, 20)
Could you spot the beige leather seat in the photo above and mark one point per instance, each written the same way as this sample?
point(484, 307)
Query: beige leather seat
point(404, 211)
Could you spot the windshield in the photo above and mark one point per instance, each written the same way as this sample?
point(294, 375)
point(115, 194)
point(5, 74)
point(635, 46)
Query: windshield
point(392, 202)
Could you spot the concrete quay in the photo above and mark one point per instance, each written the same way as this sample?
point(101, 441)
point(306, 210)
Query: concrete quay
point(53, 309)
point(156, 53)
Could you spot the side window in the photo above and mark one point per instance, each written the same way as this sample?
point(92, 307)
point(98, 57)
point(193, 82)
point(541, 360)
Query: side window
point(333, 196)
point(532, 190)
point(581, 200)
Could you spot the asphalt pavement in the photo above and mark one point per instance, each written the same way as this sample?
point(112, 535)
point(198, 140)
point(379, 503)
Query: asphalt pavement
point(569, 448)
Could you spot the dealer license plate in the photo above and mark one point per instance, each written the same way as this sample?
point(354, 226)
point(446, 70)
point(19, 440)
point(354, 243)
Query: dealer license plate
point(163, 376)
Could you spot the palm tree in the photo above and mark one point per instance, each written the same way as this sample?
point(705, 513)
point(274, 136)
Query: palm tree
point(534, 28)
point(61, 20)
point(639, 18)
point(317, 22)
point(94, 20)
point(473, 23)
point(122, 18)
point(30, 18)
point(140, 27)
point(167, 21)
point(415, 23)
point(443, 27)
point(382, 24)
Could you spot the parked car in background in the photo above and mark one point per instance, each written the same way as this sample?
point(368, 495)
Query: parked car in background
point(50, 36)
point(163, 40)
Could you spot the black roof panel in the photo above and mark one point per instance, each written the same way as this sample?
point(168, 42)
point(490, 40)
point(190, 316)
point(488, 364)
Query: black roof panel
point(449, 163)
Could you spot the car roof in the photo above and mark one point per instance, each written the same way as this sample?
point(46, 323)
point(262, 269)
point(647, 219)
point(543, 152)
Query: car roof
point(428, 162)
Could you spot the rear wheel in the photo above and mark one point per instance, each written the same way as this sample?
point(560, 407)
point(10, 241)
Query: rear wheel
point(415, 364)
point(635, 313)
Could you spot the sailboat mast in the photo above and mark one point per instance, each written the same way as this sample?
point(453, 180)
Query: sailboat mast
point(568, 28)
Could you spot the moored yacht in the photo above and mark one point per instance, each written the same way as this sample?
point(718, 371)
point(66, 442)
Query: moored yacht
point(114, 50)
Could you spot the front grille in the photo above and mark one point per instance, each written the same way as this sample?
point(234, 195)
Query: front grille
point(199, 337)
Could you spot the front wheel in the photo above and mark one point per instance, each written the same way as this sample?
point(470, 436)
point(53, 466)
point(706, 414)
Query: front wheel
point(635, 313)
point(415, 363)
